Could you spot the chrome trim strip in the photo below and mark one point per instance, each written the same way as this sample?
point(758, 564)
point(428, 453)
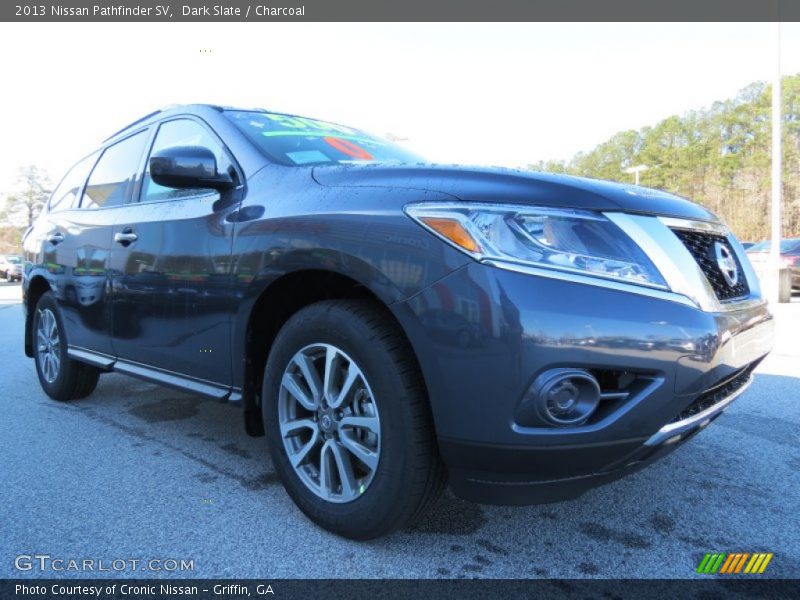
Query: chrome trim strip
point(677, 265)
point(595, 281)
point(614, 395)
point(104, 361)
point(694, 225)
point(754, 298)
point(579, 272)
point(672, 259)
point(741, 303)
point(680, 427)
point(749, 273)
point(107, 362)
point(171, 379)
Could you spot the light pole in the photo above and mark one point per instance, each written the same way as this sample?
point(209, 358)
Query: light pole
point(636, 170)
point(777, 175)
point(776, 280)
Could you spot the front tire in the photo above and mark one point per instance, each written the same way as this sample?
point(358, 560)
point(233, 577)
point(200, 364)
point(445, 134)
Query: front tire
point(61, 377)
point(348, 422)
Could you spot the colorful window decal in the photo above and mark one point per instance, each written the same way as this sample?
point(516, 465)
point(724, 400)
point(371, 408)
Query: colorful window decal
point(299, 141)
point(349, 148)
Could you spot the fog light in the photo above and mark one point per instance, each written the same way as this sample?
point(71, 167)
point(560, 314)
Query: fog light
point(565, 396)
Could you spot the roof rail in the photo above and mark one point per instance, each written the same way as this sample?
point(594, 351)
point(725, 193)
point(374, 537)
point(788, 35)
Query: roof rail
point(137, 121)
point(155, 112)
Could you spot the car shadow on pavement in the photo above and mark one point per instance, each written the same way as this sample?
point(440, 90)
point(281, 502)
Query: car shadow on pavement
point(207, 432)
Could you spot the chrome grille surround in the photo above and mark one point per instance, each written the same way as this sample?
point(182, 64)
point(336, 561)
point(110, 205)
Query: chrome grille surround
point(657, 237)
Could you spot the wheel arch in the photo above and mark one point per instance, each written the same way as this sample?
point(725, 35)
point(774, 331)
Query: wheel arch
point(275, 304)
point(34, 290)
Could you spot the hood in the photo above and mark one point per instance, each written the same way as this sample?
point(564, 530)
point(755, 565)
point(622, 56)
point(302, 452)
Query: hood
point(494, 184)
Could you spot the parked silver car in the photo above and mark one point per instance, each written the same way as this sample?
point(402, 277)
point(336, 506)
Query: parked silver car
point(11, 267)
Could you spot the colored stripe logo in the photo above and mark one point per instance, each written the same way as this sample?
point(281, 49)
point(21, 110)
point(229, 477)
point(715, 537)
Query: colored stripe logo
point(734, 563)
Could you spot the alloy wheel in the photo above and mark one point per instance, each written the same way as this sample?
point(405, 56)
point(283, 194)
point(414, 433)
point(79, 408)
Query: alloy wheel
point(329, 423)
point(48, 345)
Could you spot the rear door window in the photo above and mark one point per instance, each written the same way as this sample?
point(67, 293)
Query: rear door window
point(114, 176)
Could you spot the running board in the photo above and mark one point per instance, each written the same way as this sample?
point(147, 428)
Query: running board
point(96, 359)
point(140, 371)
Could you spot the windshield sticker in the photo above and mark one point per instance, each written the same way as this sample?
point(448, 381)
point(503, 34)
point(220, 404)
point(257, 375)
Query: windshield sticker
point(349, 148)
point(304, 157)
point(324, 134)
point(306, 123)
point(298, 141)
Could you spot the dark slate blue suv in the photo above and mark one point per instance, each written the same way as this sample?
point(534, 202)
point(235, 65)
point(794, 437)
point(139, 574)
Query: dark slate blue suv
point(390, 324)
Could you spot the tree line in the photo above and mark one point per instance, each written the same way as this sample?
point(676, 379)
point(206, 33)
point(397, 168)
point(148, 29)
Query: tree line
point(20, 209)
point(719, 157)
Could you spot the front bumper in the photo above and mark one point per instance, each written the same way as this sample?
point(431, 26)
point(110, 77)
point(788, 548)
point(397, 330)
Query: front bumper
point(521, 325)
point(480, 481)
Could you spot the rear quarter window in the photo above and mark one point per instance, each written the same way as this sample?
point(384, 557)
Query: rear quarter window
point(67, 194)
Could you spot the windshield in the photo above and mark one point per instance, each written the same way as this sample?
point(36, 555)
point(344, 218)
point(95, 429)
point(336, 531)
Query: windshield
point(14, 260)
point(299, 141)
point(786, 246)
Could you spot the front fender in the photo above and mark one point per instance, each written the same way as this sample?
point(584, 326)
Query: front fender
point(288, 224)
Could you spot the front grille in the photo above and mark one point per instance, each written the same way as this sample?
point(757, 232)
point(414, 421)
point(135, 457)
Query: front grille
point(718, 393)
point(701, 245)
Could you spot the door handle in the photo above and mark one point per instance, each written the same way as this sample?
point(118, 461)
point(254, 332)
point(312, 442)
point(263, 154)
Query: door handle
point(55, 238)
point(125, 237)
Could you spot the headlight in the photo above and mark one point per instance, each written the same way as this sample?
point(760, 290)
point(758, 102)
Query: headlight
point(577, 241)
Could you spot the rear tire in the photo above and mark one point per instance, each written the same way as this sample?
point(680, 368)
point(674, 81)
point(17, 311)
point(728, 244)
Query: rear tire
point(61, 377)
point(382, 468)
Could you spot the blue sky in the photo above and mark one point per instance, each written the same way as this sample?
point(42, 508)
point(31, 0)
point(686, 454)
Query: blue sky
point(507, 94)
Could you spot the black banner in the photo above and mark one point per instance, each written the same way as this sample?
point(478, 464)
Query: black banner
point(401, 10)
point(343, 589)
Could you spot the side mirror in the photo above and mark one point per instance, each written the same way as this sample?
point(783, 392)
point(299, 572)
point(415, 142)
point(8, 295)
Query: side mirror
point(187, 167)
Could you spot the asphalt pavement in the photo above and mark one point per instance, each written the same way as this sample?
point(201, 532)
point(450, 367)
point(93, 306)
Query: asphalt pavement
point(141, 472)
